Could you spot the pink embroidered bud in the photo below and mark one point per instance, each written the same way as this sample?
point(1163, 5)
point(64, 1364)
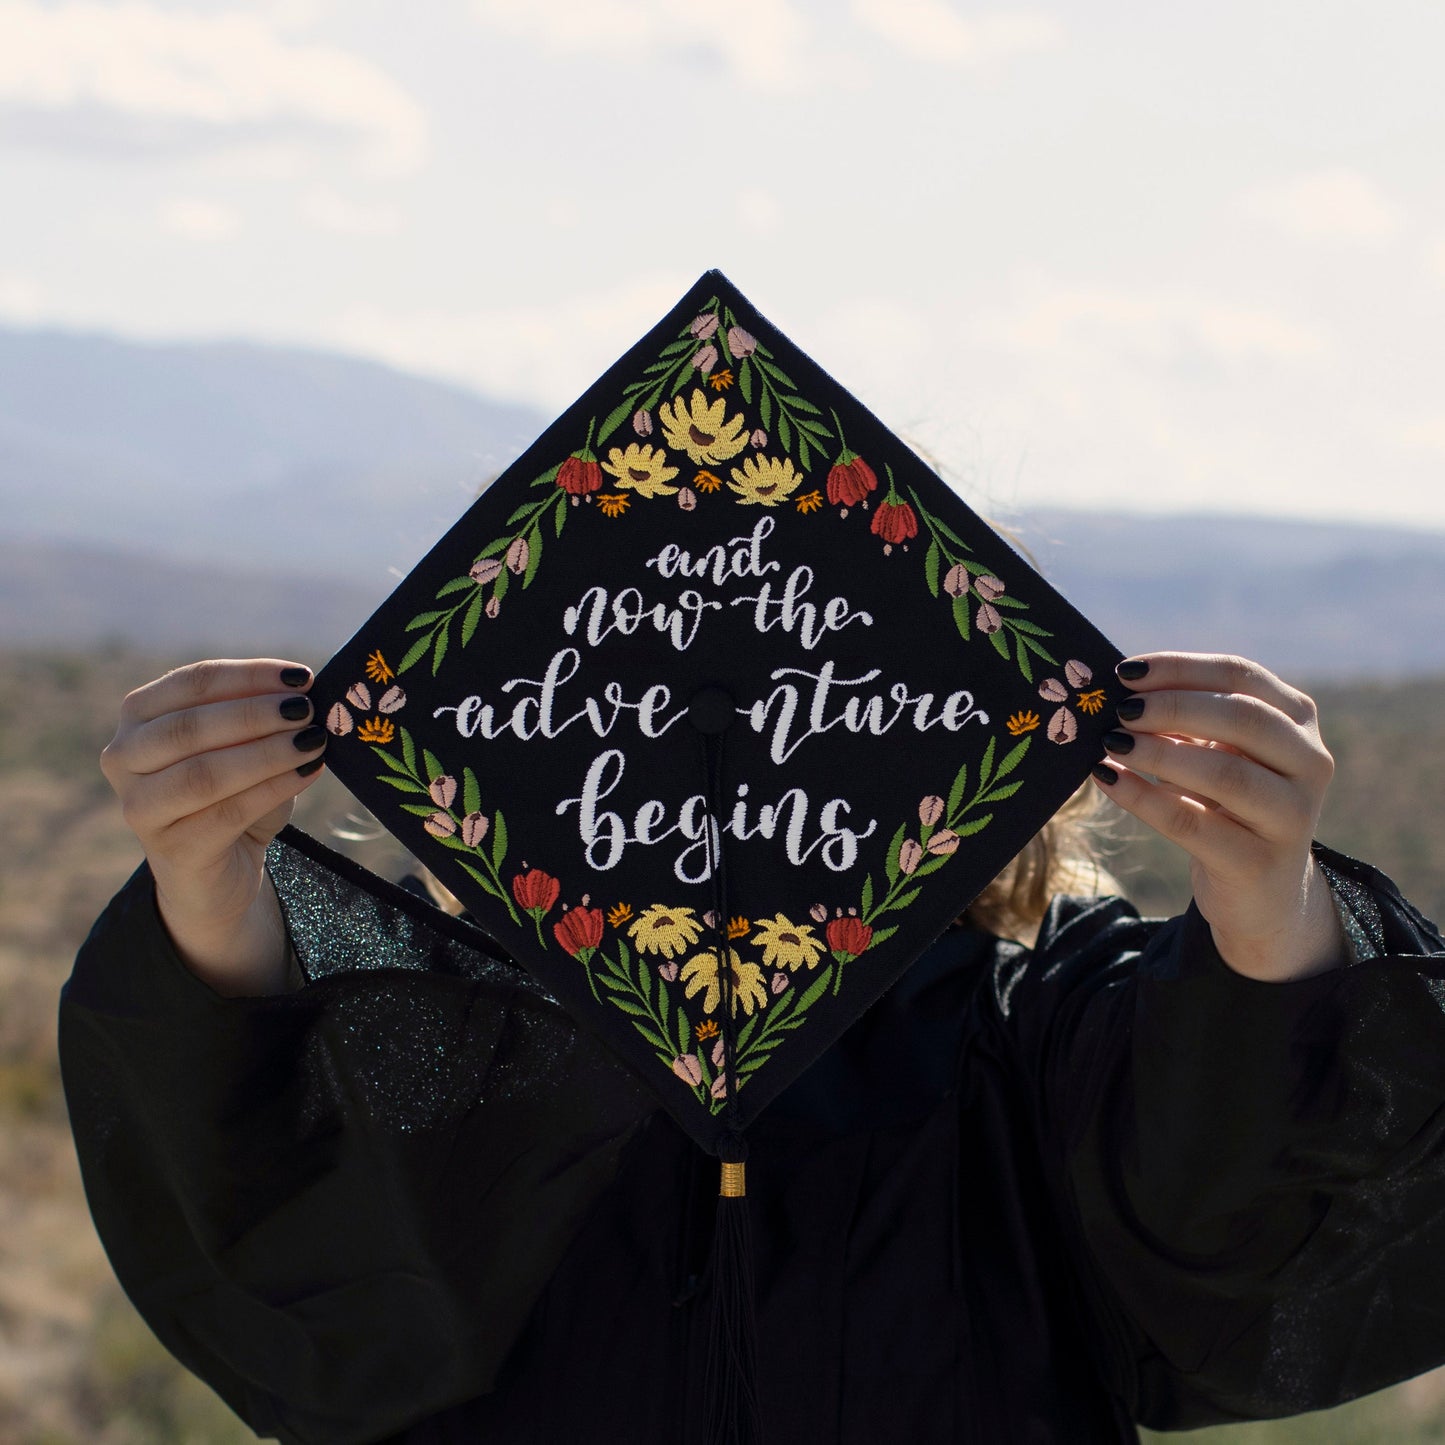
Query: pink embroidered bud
point(668, 970)
point(719, 1054)
point(719, 1088)
point(778, 982)
point(339, 720)
point(711, 918)
point(474, 829)
point(988, 618)
point(741, 343)
point(705, 358)
point(392, 700)
point(518, 555)
point(703, 326)
point(930, 810)
point(943, 842)
point(687, 499)
point(1052, 690)
point(443, 790)
point(989, 588)
point(759, 438)
point(910, 855)
point(955, 580)
point(487, 570)
point(687, 1068)
point(440, 825)
point(818, 913)
point(359, 696)
point(642, 422)
point(1079, 674)
point(1062, 727)
point(494, 606)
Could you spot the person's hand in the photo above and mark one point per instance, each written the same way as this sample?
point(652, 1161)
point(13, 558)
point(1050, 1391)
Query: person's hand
point(1239, 777)
point(207, 761)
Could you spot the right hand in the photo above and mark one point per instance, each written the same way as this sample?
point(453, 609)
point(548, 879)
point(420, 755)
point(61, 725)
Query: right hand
point(205, 762)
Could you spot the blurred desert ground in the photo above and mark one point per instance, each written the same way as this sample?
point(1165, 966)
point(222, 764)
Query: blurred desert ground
point(77, 1364)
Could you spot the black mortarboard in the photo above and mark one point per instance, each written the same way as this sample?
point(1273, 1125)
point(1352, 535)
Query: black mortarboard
point(717, 708)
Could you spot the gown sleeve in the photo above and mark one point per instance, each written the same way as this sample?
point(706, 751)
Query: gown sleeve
point(337, 1205)
point(1251, 1175)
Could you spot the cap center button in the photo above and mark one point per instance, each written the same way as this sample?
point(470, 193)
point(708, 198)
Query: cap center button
point(712, 709)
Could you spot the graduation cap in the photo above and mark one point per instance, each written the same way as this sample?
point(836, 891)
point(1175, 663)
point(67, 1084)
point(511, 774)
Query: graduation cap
point(715, 709)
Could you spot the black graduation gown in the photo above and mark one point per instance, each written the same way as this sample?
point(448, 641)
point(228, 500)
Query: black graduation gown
point(1030, 1197)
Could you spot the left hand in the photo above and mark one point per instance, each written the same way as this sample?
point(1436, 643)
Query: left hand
point(1241, 777)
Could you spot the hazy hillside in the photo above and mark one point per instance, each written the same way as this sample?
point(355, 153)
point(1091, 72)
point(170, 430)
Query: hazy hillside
point(247, 497)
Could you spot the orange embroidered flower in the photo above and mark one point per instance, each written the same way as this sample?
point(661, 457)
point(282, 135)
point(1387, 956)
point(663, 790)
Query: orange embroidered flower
point(1091, 702)
point(1022, 722)
point(614, 504)
point(738, 927)
point(722, 380)
point(376, 730)
point(619, 915)
point(377, 670)
point(810, 502)
point(707, 481)
point(707, 1029)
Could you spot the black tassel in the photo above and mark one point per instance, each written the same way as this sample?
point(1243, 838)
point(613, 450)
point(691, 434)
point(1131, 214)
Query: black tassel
point(730, 1379)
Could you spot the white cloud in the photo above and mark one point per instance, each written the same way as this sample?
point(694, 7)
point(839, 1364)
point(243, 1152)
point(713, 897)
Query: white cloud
point(325, 210)
point(199, 220)
point(762, 43)
point(933, 30)
point(540, 354)
point(758, 211)
point(136, 77)
point(1330, 205)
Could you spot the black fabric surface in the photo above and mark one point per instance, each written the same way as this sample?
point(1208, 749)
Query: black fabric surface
point(1029, 1197)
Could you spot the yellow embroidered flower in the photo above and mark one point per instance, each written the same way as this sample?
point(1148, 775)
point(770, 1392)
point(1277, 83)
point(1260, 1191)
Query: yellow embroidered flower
point(619, 915)
point(701, 430)
point(376, 730)
point(720, 381)
point(664, 930)
point(613, 504)
point(707, 481)
point(1022, 722)
point(377, 670)
point(810, 502)
point(707, 1029)
point(1091, 702)
point(641, 469)
point(787, 944)
point(700, 973)
point(738, 927)
point(765, 480)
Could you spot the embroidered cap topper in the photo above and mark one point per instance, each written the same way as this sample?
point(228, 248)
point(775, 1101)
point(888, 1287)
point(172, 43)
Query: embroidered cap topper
point(716, 708)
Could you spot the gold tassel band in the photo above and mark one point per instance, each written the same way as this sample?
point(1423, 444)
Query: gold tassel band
point(732, 1186)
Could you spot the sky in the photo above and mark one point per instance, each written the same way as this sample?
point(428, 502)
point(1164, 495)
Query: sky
point(1124, 254)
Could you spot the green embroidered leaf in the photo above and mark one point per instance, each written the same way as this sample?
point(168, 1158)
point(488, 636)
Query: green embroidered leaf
point(424, 619)
point(503, 582)
point(471, 792)
point(420, 810)
point(548, 477)
point(1000, 644)
point(395, 764)
point(745, 1034)
point(413, 654)
point(931, 865)
point(500, 544)
point(534, 560)
point(745, 381)
point(676, 348)
point(891, 861)
point(997, 795)
point(956, 792)
point(776, 372)
point(884, 934)
point(1020, 624)
point(499, 840)
point(482, 879)
point(454, 842)
point(931, 562)
point(439, 650)
point(1025, 663)
point(1007, 601)
point(967, 830)
point(402, 785)
point(521, 512)
point(1012, 759)
point(434, 767)
point(657, 366)
point(985, 767)
point(785, 432)
point(644, 980)
point(472, 616)
point(457, 584)
point(559, 514)
point(684, 1032)
point(866, 903)
point(1039, 651)
point(803, 453)
point(904, 899)
point(408, 751)
point(624, 954)
point(816, 989)
point(960, 617)
point(765, 406)
point(681, 381)
point(801, 403)
point(614, 419)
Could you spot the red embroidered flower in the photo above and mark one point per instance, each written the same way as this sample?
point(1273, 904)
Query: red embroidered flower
point(535, 891)
point(579, 931)
point(895, 522)
point(579, 475)
point(850, 480)
point(849, 936)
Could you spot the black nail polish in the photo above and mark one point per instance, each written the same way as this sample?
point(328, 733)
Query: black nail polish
point(1105, 774)
point(309, 739)
point(306, 769)
point(1131, 669)
point(295, 676)
point(1119, 742)
point(1131, 709)
point(293, 709)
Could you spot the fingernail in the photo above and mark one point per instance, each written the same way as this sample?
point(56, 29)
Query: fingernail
point(293, 709)
point(1105, 774)
point(306, 769)
point(309, 739)
point(295, 676)
point(1118, 742)
point(1131, 669)
point(1131, 709)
